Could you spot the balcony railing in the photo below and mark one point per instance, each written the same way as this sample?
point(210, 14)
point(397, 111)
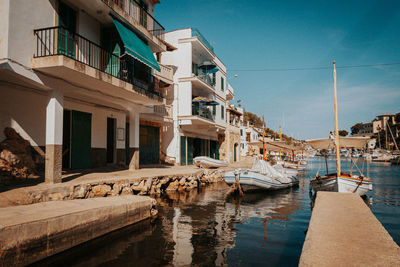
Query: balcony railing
point(163, 110)
point(196, 32)
point(207, 79)
point(140, 14)
point(60, 41)
point(202, 111)
point(166, 73)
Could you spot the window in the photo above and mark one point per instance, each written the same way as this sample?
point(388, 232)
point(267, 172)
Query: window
point(222, 83)
point(241, 132)
point(213, 78)
point(222, 112)
point(214, 110)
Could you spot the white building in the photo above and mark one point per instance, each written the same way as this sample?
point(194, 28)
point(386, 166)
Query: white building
point(231, 148)
point(199, 97)
point(78, 76)
point(249, 134)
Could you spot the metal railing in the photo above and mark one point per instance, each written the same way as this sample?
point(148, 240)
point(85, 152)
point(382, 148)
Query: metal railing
point(60, 41)
point(138, 12)
point(202, 111)
point(163, 110)
point(196, 32)
point(207, 79)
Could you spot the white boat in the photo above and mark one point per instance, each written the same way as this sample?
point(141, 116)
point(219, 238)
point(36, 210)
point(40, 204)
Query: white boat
point(291, 165)
point(287, 171)
point(261, 176)
point(383, 158)
point(207, 162)
point(340, 182)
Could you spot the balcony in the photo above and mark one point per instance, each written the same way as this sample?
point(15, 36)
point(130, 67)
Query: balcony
point(207, 78)
point(62, 53)
point(197, 33)
point(166, 74)
point(202, 111)
point(136, 11)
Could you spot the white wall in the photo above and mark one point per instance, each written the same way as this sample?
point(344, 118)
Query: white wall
point(25, 112)
point(26, 16)
point(89, 27)
point(4, 19)
point(99, 122)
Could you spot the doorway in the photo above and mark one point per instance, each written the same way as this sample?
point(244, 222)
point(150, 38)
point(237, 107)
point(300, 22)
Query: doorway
point(77, 138)
point(111, 122)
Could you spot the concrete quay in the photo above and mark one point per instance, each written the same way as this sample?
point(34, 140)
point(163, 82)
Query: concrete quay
point(344, 232)
point(29, 233)
point(105, 183)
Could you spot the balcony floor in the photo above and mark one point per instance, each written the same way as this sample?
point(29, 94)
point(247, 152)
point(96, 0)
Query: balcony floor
point(97, 83)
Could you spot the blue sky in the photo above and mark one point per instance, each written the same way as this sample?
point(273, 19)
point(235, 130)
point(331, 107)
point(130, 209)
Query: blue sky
point(256, 35)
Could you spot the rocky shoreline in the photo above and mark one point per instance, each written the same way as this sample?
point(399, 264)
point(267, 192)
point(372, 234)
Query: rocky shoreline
point(145, 186)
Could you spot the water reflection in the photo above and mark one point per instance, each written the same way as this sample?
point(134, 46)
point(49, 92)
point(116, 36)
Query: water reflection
point(203, 228)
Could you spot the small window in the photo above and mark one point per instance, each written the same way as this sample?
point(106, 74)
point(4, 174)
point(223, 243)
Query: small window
point(214, 110)
point(222, 84)
point(222, 112)
point(241, 132)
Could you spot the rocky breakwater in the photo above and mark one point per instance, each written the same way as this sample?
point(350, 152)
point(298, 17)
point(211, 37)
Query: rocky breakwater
point(153, 186)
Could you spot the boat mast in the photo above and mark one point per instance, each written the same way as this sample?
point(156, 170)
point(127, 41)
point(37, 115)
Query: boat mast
point(280, 139)
point(263, 138)
point(336, 122)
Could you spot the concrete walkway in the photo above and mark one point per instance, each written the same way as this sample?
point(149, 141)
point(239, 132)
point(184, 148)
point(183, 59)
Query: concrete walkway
point(344, 232)
point(29, 233)
point(23, 195)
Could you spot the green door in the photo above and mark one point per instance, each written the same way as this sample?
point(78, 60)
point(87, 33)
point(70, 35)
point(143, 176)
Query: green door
point(111, 122)
point(149, 143)
point(66, 41)
point(190, 150)
point(183, 150)
point(112, 43)
point(127, 154)
point(214, 149)
point(81, 140)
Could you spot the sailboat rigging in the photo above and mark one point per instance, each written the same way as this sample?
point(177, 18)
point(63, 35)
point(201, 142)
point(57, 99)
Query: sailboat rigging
point(340, 182)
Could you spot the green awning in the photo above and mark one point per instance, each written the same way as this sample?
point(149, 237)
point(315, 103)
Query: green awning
point(135, 47)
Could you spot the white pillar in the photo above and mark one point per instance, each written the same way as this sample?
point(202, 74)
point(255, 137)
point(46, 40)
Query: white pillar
point(134, 140)
point(54, 136)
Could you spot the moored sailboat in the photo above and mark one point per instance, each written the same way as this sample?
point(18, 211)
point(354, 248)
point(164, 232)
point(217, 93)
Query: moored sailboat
point(340, 182)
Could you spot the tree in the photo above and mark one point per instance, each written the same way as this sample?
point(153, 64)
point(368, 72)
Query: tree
point(343, 133)
point(397, 117)
point(253, 119)
point(356, 128)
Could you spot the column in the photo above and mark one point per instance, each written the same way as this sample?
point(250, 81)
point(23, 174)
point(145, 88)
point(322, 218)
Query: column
point(54, 132)
point(134, 140)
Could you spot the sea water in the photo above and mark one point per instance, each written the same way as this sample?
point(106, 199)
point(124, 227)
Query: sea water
point(202, 227)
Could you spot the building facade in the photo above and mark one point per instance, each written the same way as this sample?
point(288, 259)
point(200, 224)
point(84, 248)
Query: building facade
point(199, 97)
point(231, 146)
point(77, 78)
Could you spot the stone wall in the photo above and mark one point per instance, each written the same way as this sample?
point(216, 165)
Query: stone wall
point(119, 187)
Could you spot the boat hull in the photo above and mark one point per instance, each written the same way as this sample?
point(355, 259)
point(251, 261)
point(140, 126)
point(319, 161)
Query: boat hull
point(206, 162)
point(342, 184)
point(250, 180)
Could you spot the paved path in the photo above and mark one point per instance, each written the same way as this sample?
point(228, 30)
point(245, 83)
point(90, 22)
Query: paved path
point(21, 195)
point(32, 232)
point(344, 232)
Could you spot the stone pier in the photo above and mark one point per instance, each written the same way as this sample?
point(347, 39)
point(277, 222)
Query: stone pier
point(344, 232)
point(29, 233)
